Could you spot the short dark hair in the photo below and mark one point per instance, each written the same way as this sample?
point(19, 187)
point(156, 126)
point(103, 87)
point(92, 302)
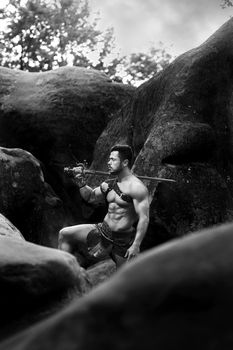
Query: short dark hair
point(125, 152)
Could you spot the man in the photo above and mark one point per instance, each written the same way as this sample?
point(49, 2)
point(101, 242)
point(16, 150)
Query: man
point(126, 222)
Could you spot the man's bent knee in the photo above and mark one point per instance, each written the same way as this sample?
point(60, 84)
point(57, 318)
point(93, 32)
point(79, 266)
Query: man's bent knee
point(63, 240)
point(61, 235)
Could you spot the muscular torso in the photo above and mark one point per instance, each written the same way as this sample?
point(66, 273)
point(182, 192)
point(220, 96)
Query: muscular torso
point(121, 215)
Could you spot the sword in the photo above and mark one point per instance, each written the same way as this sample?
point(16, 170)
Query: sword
point(70, 171)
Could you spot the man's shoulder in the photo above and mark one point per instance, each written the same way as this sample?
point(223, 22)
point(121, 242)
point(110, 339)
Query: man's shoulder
point(136, 181)
point(138, 187)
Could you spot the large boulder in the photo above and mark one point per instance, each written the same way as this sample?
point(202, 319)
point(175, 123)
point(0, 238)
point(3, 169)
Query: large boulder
point(58, 116)
point(7, 229)
point(100, 272)
point(180, 126)
point(27, 200)
point(179, 295)
point(35, 282)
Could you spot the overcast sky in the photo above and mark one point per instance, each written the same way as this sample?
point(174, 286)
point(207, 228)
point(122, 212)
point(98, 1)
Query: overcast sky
point(180, 24)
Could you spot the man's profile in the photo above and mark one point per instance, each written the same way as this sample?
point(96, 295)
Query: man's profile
point(125, 224)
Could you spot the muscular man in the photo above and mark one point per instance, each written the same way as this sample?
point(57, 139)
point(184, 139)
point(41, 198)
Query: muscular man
point(126, 222)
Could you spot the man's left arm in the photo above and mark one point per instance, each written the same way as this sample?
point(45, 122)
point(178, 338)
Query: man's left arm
point(141, 205)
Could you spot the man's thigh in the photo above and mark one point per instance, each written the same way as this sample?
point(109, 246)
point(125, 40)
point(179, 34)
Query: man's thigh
point(77, 232)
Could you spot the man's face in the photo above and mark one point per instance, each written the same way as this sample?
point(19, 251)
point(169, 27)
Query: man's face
point(114, 163)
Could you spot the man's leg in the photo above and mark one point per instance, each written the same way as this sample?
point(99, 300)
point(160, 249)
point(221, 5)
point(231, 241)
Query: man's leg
point(120, 246)
point(72, 236)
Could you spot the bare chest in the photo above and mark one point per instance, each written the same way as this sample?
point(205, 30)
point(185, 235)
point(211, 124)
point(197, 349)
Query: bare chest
point(114, 198)
point(120, 196)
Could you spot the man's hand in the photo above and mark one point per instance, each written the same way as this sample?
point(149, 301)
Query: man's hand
point(79, 175)
point(132, 252)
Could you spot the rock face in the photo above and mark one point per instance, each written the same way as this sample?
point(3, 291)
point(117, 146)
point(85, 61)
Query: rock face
point(35, 281)
point(26, 200)
point(57, 116)
point(180, 126)
point(7, 229)
point(179, 295)
point(100, 272)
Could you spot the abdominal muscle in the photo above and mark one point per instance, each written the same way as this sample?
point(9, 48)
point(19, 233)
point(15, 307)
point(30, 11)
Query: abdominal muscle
point(120, 218)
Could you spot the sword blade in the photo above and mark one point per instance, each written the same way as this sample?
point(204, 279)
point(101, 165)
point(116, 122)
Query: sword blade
point(142, 177)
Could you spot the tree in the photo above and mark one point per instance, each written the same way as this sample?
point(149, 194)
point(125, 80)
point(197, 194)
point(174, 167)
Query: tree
point(45, 34)
point(142, 66)
point(42, 35)
point(226, 3)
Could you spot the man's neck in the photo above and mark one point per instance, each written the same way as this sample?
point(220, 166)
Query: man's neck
point(126, 172)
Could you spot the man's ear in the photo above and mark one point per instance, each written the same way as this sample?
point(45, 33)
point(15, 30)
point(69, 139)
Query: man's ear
point(126, 162)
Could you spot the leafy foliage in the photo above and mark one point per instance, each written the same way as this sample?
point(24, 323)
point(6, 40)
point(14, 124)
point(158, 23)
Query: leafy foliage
point(226, 3)
point(45, 34)
point(141, 66)
point(42, 35)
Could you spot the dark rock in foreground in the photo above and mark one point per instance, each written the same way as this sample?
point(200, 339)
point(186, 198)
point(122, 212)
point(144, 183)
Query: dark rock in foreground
point(177, 296)
point(100, 272)
point(35, 282)
point(7, 229)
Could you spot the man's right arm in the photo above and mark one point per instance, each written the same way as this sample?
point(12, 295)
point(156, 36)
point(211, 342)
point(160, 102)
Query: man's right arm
point(91, 195)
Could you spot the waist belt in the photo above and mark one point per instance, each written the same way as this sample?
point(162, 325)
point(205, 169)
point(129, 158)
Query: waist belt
point(105, 231)
point(115, 237)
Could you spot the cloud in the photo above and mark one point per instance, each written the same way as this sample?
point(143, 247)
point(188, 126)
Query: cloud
point(180, 25)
